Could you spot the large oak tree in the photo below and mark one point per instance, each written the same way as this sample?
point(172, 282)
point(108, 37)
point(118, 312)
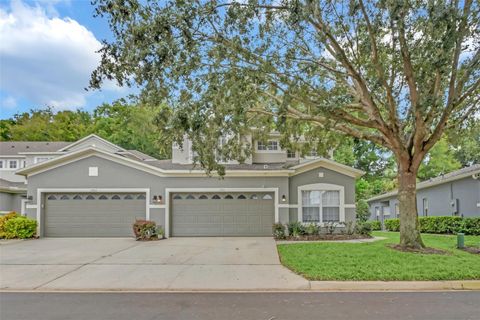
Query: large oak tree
point(397, 73)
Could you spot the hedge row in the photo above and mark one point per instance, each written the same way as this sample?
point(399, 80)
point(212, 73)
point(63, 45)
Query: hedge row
point(469, 226)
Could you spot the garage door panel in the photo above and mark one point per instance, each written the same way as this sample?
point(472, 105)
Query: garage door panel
point(222, 214)
point(92, 216)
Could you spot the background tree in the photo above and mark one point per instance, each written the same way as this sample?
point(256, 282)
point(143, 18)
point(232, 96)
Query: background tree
point(439, 160)
point(130, 125)
point(396, 73)
point(47, 125)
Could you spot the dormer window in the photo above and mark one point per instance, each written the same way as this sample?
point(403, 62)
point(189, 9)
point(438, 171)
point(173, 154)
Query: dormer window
point(270, 145)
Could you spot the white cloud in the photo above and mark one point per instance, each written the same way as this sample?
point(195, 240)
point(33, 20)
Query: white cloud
point(45, 59)
point(9, 102)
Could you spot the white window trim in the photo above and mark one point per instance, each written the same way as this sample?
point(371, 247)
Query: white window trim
point(35, 159)
point(6, 164)
point(321, 187)
point(168, 191)
point(279, 149)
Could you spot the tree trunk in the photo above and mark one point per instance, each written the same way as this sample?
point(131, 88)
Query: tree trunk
point(407, 196)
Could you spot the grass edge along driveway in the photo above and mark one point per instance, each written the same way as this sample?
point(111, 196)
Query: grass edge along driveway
point(375, 261)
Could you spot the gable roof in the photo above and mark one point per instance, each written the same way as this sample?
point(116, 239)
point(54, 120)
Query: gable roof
point(452, 176)
point(91, 136)
point(166, 168)
point(11, 148)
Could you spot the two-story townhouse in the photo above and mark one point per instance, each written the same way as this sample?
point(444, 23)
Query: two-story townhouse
point(95, 188)
point(17, 155)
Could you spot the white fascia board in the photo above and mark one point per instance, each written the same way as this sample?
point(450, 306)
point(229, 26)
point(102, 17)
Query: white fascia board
point(41, 152)
point(92, 151)
point(88, 137)
point(328, 164)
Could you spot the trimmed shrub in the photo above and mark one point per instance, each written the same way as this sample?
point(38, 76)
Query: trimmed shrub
point(3, 220)
point(392, 224)
point(296, 229)
point(19, 227)
point(147, 230)
point(279, 231)
point(312, 229)
point(470, 226)
point(441, 224)
point(363, 228)
point(376, 225)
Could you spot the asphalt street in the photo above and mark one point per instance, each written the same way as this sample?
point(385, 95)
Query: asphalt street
point(259, 306)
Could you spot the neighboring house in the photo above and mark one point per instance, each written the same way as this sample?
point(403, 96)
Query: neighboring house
point(17, 155)
point(93, 188)
point(454, 194)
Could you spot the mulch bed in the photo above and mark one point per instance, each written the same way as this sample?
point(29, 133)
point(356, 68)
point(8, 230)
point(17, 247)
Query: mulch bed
point(474, 250)
point(327, 237)
point(421, 251)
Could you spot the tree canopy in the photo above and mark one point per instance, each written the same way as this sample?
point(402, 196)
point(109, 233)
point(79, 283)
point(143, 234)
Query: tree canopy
point(396, 73)
point(130, 126)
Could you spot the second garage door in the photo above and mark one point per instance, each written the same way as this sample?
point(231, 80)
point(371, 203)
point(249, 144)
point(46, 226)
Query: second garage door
point(92, 214)
point(222, 214)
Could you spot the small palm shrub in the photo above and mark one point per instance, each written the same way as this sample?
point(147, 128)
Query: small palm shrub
point(279, 231)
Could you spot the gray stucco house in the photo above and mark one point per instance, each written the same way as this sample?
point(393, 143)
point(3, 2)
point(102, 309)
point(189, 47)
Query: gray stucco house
point(93, 188)
point(454, 194)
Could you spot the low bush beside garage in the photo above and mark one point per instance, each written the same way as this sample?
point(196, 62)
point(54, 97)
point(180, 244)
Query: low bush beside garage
point(14, 226)
point(146, 230)
point(441, 225)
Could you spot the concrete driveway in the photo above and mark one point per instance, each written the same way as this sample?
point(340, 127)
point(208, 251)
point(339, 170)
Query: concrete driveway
point(125, 264)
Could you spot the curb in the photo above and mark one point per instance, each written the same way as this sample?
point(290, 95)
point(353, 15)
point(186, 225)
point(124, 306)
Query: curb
point(315, 286)
point(394, 285)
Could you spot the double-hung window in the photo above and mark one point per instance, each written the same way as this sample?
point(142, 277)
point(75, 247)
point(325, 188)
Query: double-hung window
point(12, 164)
point(321, 205)
point(270, 145)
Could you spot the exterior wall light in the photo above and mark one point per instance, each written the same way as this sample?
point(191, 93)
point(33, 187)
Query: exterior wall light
point(284, 198)
point(157, 199)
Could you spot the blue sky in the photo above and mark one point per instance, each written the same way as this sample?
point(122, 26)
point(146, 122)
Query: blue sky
point(47, 53)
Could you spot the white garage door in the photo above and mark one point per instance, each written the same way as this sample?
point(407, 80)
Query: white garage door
point(222, 214)
point(92, 214)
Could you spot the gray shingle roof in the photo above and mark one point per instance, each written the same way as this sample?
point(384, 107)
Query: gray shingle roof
point(168, 165)
point(12, 187)
point(11, 148)
point(435, 181)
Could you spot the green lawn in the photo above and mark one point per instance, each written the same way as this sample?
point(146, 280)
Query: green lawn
point(375, 261)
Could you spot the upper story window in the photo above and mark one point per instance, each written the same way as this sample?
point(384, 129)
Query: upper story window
point(271, 145)
point(1, 164)
point(12, 164)
point(41, 159)
point(291, 154)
